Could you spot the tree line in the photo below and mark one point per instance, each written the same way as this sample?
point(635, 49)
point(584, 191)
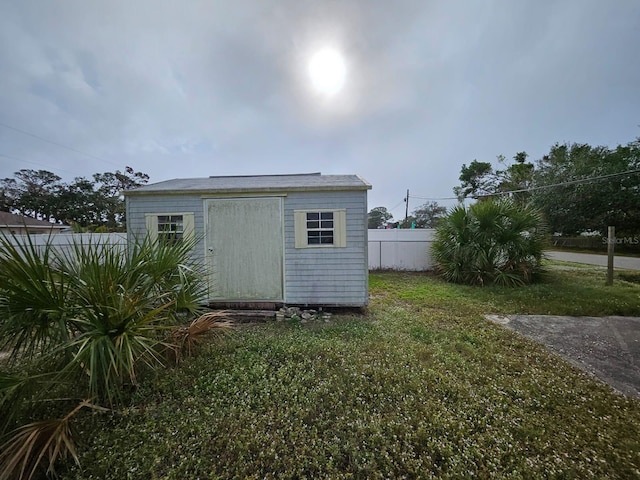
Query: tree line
point(425, 216)
point(578, 188)
point(86, 204)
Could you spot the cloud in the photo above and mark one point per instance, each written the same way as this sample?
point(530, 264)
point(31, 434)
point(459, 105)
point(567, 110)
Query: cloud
point(180, 89)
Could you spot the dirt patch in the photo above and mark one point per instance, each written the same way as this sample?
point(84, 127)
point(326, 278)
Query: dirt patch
point(607, 347)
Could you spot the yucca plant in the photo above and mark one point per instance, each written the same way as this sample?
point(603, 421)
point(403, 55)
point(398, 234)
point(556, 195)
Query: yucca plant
point(91, 314)
point(172, 270)
point(495, 241)
point(118, 317)
point(33, 298)
point(123, 304)
point(93, 309)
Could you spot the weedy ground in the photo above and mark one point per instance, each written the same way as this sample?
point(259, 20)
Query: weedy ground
point(419, 386)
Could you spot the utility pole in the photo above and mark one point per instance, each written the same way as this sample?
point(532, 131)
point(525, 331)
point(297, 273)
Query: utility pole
point(406, 211)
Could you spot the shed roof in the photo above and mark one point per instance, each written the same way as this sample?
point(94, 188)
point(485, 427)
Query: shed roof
point(255, 183)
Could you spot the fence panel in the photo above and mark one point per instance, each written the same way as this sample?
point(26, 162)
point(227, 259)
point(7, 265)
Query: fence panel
point(398, 249)
point(395, 249)
point(64, 242)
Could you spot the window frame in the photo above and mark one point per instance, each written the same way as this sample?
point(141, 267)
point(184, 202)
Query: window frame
point(153, 221)
point(339, 228)
point(321, 228)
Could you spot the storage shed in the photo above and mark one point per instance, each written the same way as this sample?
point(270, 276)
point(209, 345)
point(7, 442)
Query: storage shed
point(281, 239)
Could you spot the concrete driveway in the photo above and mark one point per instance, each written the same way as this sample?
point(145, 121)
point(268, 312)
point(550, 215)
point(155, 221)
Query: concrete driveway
point(620, 262)
point(607, 347)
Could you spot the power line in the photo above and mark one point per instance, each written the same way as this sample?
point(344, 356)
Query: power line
point(390, 210)
point(434, 198)
point(34, 163)
point(562, 184)
point(400, 203)
point(57, 144)
point(540, 187)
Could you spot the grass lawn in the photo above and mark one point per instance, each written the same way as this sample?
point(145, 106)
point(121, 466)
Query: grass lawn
point(619, 250)
point(421, 386)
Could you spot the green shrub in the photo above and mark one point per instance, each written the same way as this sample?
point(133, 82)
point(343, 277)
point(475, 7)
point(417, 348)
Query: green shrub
point(85, 320)
point(491, 242)
point(95, 309)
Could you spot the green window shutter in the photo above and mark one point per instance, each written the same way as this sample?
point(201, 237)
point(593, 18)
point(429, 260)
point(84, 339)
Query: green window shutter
point(340, 228)
point(300, 227)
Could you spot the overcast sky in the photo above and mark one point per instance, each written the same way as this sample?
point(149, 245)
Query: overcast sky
point(198, 88)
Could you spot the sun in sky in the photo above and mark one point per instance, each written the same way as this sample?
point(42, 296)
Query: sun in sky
point(328, 71)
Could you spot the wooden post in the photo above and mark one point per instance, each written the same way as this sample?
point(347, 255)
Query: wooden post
point(611, 242)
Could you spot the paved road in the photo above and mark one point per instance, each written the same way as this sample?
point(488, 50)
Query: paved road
point(627, 263)
point(607, 347)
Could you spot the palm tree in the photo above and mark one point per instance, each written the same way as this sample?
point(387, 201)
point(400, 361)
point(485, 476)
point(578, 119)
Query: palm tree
point(495, 241)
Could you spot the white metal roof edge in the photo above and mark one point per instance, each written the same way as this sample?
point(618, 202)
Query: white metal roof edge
point(158, 189)
point(209, 191)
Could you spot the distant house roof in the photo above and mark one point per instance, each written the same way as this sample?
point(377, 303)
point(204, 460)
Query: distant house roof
point(255, 183)
point(20, 221)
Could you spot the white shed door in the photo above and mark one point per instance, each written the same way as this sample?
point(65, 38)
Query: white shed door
point(244, 248)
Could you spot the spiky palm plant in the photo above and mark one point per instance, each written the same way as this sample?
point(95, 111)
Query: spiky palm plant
point(491, 242)
point(43, 441)
point(123, 302)
point(93, 315)
point(100, 310)
point(184, 339)
point(33, 298)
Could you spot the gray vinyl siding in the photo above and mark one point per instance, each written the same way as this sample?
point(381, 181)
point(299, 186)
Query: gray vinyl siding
point(312, 276)
point(137, 207)
point(327, 276)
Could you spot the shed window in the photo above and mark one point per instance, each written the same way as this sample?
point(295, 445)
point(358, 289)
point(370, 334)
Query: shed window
point(320, 228)
point(170, 228)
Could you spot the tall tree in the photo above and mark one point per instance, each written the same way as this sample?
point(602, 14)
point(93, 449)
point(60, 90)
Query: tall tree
point(578, 187)
point(77, 203)
point(584, 191)
point(429, 214)
point(475, 180)
point(378, 216)
point(479, 179)
point(515, 177)
point(95, 203)
point(33, 193)
point(111, 201)
point(8, 194)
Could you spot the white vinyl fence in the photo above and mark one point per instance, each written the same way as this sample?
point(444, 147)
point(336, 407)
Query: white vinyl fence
point(64, 242)
point(395, 249)
point(399, 249)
